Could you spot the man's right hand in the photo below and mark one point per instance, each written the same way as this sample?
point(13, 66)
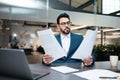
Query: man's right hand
point(47, 58)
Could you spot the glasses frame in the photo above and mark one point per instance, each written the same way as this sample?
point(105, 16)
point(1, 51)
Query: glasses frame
point(65, 23)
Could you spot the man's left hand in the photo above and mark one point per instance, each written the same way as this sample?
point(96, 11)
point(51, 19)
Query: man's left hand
point(88, 61)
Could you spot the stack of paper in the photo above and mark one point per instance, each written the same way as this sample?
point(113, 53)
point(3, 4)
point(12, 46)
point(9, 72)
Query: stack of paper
point(95, 74)
point(50, 44)
point(85, 49)
point(64, 69)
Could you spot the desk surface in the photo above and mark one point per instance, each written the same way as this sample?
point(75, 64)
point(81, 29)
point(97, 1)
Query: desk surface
point(54, 75)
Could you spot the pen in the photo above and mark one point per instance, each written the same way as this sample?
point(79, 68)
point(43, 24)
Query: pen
point(108, 77)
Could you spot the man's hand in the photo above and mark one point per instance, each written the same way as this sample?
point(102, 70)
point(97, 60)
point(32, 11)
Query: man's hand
point(47, 58)
point(88, 61)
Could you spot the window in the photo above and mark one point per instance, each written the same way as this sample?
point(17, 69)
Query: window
point(110, 6)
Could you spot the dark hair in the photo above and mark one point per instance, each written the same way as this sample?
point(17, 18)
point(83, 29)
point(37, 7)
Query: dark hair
point(61, 16)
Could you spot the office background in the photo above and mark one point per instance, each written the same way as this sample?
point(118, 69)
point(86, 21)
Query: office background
point(21, 19)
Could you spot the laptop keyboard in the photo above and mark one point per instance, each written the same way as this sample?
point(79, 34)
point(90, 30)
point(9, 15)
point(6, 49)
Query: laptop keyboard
point(35, 75)
point(39, 74)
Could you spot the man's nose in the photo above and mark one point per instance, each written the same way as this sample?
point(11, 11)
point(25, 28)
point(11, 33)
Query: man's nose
point(66, 24)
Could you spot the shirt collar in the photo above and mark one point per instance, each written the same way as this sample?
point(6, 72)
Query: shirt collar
point(65, 36)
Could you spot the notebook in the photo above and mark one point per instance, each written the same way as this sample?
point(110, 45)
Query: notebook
point(13, 63)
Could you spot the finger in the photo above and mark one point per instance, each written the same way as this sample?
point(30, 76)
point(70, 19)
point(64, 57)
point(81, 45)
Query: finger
point(87, 62)
point(47, 59)
point(45, 55)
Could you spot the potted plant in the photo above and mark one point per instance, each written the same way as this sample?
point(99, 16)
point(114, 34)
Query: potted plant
point(102, 52)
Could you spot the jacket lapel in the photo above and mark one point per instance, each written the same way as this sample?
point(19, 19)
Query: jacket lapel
point(71, 44)
point(59, 39)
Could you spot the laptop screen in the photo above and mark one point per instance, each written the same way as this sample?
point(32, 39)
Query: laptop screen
point(13, 63)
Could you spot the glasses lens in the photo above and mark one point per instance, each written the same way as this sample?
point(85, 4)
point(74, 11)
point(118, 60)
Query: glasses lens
point(65, 23)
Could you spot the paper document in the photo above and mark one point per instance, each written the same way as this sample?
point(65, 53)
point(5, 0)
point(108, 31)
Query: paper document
point(95, 74)
point(64, 69)
point(50, 44)
point(85, 49)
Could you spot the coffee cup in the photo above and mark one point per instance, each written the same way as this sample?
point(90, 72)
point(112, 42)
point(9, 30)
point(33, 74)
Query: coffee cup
point(113, 60)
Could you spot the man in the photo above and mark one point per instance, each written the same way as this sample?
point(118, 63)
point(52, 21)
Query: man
point(69, 41)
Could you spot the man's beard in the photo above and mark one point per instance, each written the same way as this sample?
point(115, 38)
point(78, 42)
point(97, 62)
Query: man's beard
point(66, 30)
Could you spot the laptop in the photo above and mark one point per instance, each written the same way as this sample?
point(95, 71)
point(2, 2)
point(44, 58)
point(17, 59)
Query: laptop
point(13, 63)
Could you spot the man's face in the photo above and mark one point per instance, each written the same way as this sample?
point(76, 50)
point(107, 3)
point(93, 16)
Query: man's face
point(64, 25)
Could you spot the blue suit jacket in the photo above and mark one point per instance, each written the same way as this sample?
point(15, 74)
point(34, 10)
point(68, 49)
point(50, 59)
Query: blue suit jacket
point(75, 42)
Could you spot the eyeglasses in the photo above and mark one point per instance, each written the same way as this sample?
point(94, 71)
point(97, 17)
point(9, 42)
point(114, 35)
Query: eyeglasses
point(64, 23)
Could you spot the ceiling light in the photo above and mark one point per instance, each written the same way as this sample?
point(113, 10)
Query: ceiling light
point(7, 28)
point(118, 14)
point(78, 27)
point(116, 33)
point(14, 34)
point(108, 30)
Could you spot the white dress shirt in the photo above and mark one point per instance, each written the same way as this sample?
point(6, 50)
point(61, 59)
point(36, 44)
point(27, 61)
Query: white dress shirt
point(65, 42)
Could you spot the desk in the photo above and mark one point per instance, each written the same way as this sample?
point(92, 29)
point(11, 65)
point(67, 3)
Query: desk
point(54, 75)
point(59, 76)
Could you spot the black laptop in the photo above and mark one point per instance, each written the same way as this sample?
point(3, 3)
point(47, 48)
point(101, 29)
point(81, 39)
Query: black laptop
point(13, 63)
